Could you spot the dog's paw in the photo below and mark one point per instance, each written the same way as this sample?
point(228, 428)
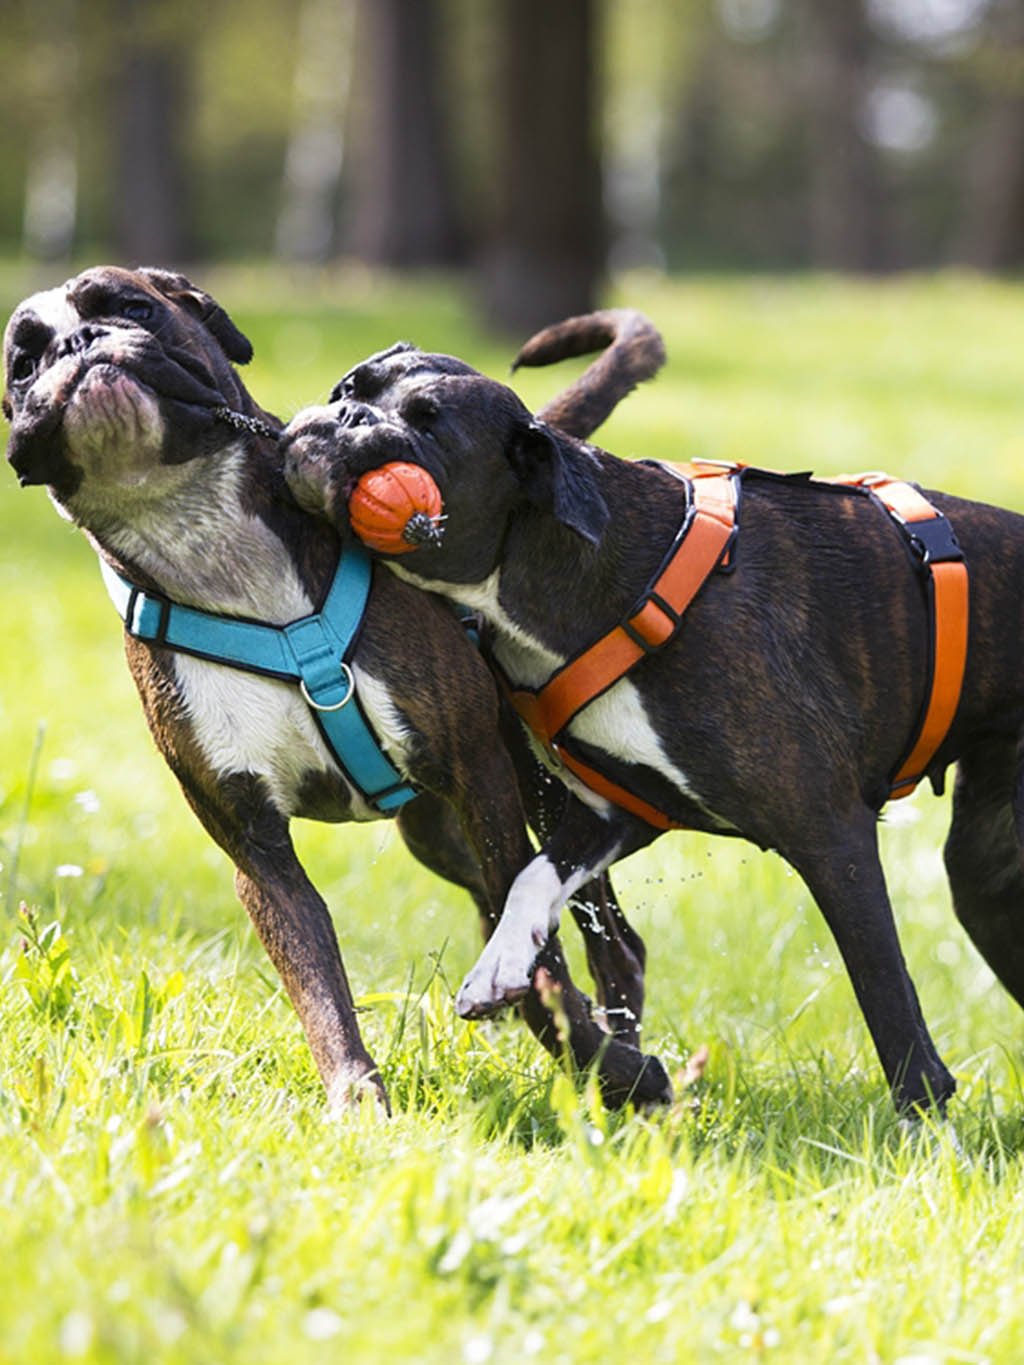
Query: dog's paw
point(357, 1092)
point(629, 1076)
point(496, 982)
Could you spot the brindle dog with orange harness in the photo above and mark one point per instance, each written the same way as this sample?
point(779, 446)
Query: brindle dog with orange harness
point(816, 676)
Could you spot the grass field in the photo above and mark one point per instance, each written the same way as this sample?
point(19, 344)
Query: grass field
point(170, 1189)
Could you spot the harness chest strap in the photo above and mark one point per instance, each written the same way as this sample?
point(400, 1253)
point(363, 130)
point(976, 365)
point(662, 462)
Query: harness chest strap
point(311, 651)
point(697, 548)
point(702, 543)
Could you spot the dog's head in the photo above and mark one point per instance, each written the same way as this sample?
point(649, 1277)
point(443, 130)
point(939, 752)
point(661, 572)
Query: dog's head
point(490, 457)
point(112, 378)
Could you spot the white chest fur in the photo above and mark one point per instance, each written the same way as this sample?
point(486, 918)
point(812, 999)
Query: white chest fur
point(616, 722)
point(248, 724)
point(206, 551)
point(245, 723)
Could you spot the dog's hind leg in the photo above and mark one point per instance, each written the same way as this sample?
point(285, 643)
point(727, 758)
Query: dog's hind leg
point(849, 886)
point(432, 833)
point(984, 858)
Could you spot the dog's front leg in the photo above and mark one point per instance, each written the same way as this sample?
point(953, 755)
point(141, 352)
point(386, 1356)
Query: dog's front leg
point(624, 1072)
point(848, 884)
point(616, 955)
point(293, 925)
point(584, 845)
point(289, 916)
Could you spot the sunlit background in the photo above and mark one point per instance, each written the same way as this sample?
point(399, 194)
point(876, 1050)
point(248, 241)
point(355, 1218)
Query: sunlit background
point(534, 144)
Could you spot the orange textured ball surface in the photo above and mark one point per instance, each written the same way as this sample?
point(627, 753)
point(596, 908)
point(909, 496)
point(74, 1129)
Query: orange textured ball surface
point(385, 500)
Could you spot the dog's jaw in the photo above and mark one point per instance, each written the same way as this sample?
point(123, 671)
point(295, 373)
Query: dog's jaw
point(114, 430)
point(200, 542)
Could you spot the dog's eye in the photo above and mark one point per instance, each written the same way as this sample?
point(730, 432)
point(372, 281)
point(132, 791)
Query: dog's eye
point(420, 412)
point(136, 310)
point(23, 367)
point(364, 382)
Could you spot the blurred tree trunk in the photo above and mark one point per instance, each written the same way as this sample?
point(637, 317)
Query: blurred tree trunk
point(51, 181)
point(991, 235)
point(692, 159)
point(315, 152)
point(405, 212)
point(149, 83)
point(845, 194)
point(544, 257)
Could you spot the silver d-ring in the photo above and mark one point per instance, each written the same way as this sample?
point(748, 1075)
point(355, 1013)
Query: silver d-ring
point(347, 673)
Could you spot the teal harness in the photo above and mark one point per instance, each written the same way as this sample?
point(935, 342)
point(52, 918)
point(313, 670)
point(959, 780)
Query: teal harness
point(311, 651)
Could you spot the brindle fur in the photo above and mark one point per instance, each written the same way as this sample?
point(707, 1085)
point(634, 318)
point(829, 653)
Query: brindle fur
point(777, 712)
point(114, 411)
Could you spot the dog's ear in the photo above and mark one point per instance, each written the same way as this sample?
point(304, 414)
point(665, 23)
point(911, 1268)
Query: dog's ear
point(556, 474)
point(179, 289)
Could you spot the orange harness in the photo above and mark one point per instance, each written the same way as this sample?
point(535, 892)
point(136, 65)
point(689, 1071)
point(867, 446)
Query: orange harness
point(702, 543)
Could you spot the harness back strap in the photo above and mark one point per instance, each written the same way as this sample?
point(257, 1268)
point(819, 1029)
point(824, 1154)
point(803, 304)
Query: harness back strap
point(311, 651)
point(947, 587)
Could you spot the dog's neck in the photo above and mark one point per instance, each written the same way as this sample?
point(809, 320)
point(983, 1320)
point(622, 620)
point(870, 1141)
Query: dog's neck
point(553, 593)
point(220, 537)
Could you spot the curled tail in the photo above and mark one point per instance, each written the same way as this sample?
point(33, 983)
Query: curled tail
point(631, 351)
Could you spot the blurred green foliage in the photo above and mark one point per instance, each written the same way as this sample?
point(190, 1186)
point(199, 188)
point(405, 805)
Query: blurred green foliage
point(707, 112)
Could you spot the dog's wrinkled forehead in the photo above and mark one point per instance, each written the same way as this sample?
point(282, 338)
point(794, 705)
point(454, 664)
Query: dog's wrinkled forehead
point(159, 300)
point(381, 378)
point(99, 293)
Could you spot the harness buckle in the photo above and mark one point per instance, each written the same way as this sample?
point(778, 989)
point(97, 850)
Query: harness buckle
point(934, 540)
point(350, 682)
point(652, 624)
point(138, 616)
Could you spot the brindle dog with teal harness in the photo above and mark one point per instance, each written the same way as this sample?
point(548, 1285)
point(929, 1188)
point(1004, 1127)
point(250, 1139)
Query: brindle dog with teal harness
point(116, 386)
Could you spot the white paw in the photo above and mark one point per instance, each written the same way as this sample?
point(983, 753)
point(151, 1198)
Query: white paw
point(499, 978)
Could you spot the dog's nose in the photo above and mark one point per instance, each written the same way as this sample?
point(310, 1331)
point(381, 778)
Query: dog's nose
point(353, 414)
point(79, 341)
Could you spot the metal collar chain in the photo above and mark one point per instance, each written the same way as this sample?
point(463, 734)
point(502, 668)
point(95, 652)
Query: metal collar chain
point(242, 422)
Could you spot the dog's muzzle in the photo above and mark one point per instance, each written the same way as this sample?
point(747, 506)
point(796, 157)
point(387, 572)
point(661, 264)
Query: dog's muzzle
point(348, 413)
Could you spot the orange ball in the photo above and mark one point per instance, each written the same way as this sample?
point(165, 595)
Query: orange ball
point(396, 508)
